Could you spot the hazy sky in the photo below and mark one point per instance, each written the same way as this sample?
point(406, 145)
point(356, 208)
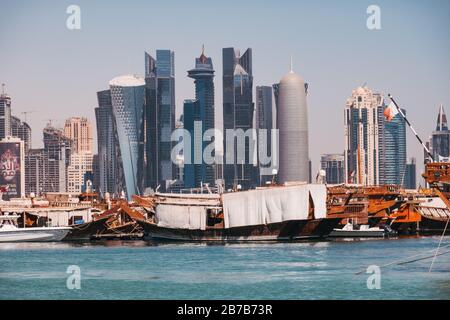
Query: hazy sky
point(56, 72)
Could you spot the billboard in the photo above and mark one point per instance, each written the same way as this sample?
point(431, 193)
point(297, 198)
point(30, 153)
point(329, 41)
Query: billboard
point(12, 169)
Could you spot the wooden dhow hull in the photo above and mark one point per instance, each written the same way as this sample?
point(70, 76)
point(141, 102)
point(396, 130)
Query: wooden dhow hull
point(282, 231)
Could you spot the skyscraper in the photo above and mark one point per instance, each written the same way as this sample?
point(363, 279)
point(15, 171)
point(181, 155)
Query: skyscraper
point(5, 114)
point(410, 175)
point(361, 137)
point(392, 148)
point(159, 116)
point(80, 164)
point(36, 164)
point(333, 165)
point(440, 138)
point(107, 144)
point(375, 148)
point(79, 130)
point(292, 123)
point(201, 113)
point(128, 97)
point(264, 121)
point(21, 130)
point(238, 112)
point(57, 151)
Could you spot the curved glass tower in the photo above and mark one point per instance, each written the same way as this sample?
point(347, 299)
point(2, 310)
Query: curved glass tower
point(128, 97)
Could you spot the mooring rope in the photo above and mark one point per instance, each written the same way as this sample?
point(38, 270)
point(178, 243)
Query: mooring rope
point(402, 261)
point(440, 242)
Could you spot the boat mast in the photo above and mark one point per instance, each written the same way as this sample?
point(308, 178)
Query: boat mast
point(412, 128)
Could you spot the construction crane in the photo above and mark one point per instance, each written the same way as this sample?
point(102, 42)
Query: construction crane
point(25, 113)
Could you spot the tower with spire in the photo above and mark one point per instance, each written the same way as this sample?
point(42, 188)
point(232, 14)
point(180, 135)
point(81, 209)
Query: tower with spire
point(441, 120)
point(440, 138)
point(195, 112)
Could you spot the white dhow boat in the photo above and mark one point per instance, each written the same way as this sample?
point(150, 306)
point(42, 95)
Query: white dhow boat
point(9, 232)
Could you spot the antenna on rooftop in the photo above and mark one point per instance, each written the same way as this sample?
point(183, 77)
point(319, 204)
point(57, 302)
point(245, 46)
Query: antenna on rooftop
point(291, 67)
point(3, 88)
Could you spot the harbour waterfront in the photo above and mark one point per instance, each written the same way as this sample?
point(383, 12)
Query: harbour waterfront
point(150, 270)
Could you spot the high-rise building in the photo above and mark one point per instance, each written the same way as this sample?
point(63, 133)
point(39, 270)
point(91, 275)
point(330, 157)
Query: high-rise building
point(57, 151)
point(80, 164)
point(199, 113)
point(21, 130)
point(238, 109)
point(36, 164)
point(333, 165)
point(5, 115)
point(79, 130)
point(159, 116)
point(109, 163)
point(410, 175)
point(292, 123)
point(264, 121)
point(192, 173)
point(375, 148)
point(128, 98)
point(440, 138)
point(392, 148)
point(361, 137)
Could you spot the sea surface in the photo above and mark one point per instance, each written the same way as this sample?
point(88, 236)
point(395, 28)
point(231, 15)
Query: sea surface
point(150, 270)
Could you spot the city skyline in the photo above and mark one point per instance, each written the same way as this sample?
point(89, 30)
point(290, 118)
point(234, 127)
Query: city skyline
point(77, 63)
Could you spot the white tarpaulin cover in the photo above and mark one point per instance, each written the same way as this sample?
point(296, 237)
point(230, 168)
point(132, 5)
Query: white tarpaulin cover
point(271, 205)
point(181, 217)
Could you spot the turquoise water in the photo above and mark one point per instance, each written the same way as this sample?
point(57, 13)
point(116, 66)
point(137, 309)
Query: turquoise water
point(145, 270)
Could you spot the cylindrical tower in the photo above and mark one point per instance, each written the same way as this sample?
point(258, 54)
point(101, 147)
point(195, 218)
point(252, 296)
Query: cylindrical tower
point(292, 123)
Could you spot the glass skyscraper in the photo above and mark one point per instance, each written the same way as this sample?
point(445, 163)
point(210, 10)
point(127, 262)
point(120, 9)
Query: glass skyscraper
point(201, 111)
point(159, 119)
point(392, 148)
point(109, 162)
point(128, 98)
point(238, 112)
point(265, 121)
point(410, 175)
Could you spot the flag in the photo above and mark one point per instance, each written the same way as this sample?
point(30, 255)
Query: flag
point(390, 112)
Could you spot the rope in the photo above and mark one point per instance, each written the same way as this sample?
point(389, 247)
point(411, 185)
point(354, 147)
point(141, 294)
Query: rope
point(402, 261)
point(437, 250)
